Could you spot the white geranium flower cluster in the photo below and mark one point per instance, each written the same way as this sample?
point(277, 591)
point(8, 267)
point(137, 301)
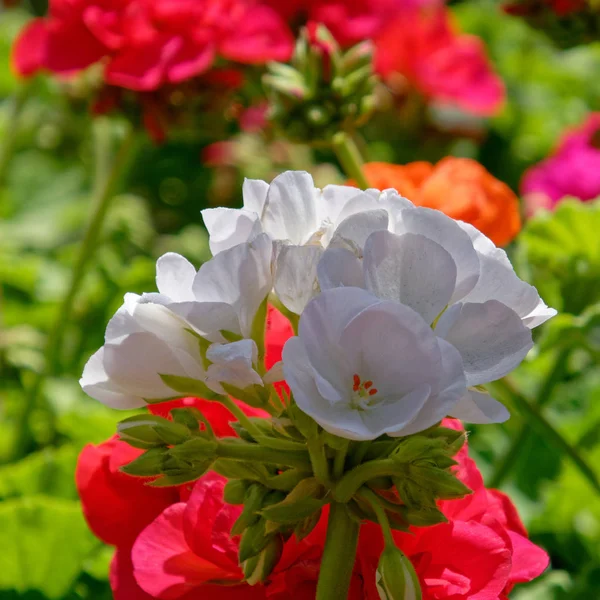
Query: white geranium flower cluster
point(403, 312)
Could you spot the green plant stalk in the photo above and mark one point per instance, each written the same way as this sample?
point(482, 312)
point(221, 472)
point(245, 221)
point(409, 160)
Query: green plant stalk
point(320, 466)
point(108, 173)
point(240, 415)
point(10, 135)
point(547, 430)
point(349, 156)
point(379, 511)
point(340, 460)
point(352, 481)
point(339, 554)
point(255, 452)
point(543, 396)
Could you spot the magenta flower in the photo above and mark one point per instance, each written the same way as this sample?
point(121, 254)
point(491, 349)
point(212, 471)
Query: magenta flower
point(572, 170)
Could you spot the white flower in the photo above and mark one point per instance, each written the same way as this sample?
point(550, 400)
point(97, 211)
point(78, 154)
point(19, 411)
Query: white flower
point(302, 220)
point(362, 367)
point(461, 285)
point(152, 345)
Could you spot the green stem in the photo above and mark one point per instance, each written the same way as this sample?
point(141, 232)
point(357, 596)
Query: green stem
point(320, 466)
point(12, 129)
point(544, 395)
point(547, 430)
point(255, 452)
point(107, 175)
point(339, 462)
point(380, 513)
point(352, 481)
point(349, 156)
point(240, 415)
point(339, 555)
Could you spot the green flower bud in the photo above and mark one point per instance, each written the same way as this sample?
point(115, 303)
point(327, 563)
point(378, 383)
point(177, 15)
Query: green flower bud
point(146, 465)
point(235, 491)
point(258, 568)
point(396, 577)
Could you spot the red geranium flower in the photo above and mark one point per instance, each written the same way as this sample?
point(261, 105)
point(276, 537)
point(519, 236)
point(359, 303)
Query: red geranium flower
point(146, 44)
point(443, 65)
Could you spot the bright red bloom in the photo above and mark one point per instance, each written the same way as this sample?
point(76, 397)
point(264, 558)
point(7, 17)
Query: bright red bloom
point(350, 21)
point(442, 64)
point(147, 44)
point(116, 506)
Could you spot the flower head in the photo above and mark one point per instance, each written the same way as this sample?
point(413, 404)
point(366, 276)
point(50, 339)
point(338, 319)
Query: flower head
point(152, 341)
point(572, 170)
point(422, 46)
point(362, 367)
point(146, 44)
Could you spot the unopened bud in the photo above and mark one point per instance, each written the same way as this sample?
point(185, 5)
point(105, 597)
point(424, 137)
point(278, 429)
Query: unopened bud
point(396, 577)
point(258, 568)
point(235, 491)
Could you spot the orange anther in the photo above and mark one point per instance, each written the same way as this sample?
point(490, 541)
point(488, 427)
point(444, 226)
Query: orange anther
point(372, 392)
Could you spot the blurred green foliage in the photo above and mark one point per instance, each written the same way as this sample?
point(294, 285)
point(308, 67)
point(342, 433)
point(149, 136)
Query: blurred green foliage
point(47, 551)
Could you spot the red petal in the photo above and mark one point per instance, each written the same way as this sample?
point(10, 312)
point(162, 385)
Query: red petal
point(164, 564)
point(29, 50)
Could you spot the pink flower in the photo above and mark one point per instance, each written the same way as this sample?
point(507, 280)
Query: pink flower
point(572, 170)
point(147, 44)
point(443, 65)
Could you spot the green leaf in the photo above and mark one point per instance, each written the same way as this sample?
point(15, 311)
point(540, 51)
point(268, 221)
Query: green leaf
point(45, 542)
point(187, 386)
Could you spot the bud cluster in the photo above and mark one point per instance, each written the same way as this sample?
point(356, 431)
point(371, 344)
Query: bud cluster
point(282, 472)
point(324, 90)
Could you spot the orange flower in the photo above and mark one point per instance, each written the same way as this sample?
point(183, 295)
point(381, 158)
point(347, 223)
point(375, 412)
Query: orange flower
point(459, 187)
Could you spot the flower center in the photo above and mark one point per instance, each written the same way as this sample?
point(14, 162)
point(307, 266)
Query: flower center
point(364, 394)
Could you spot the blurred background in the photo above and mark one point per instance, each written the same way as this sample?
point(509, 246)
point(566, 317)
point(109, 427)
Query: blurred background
point(53, 150)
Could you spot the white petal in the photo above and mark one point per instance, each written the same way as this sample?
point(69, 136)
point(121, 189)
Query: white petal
point(540, 314)
point(175, 276)
point(340, 268)
point(389, 344)
point(498, 281)
point(122, 322)
point(337, 418)
point(490, 337)
point(480, 407)
point(96, 384)
point(208, 318)
point(233, 364)
point(275, 373)
point(254, 192)
point(296, 276)
point(452, 387)
point(290, 211)
point(411, 269)
point(134, 364)
point(353, 231)
point(165, 325)
point(333, 199)
point(240, 277)
point(228, 227)
point(392, 417)
point(447, 233)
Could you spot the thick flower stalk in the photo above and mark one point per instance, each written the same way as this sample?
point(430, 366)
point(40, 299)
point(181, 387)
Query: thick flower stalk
point(400, 314)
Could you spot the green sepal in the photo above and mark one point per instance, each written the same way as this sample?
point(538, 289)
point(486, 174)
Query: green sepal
point(304, 527)
point(258, 568)
point(305, 499)
point(235, 469)
point(235, 491)
point(187, 417)
point(254, 395)
point(140, 431)
point(188, 387)
point(253, 540)
point(148, 464)
point(253, 502)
